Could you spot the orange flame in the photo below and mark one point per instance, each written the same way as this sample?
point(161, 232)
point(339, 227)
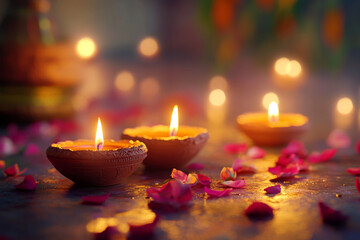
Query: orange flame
point(174, 124)
point(99, 139)
point(273, 112)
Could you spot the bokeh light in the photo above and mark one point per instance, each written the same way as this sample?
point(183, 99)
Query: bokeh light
point(218, 82)
point(294, 68)
point(268, 98)
point(217, 97)
point(149, 89)
point(345, 106)
point(148, 47)
point(281, 65)
point(86, 47)
point(124, 81)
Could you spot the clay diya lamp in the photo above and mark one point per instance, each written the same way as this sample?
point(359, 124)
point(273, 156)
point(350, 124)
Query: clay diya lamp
point(169, 147)
point(104, 163)
point(272, 129)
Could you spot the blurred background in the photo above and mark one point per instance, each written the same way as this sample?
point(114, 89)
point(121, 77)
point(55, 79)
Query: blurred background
point(130, 61)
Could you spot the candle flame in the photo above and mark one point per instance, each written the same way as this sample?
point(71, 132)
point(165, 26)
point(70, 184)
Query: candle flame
point(273, 112)
point(174, 124)
point(99, 139)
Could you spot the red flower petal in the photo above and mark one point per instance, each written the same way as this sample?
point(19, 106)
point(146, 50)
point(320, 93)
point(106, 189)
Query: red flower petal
point(331, 216)
point(227, 173)
point(7, 146)
point(239, 168)
point(216, 193)
point(287, 172)
point(28, 183)
point(354, 171)
point(357, 147)
point(259, 209)
point(2, 164)
point(234, 184)
point(204, 180)
point(285, 160)
point(13, 171)
point(324, 156)
point(256, 152)
point(179, 175)
point(357, 183)
point(234, 148)
point(96, 200)
point(273, 189)
point(338, 139)
point(195, 166)
point(31, 149)
point(295, 147)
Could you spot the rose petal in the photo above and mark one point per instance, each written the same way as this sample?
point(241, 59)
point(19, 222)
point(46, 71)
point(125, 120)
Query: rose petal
point(28, 183)
point(331, 216)
point(179, 175)
point(234, 148)
point(357, 183)
point(237, 164)
point(2, 164)
point(13, 171)
point(239, 168)
point(273, 189)
point(195, 166)
point(295, 147)
point(287, 172)
point(191, 179)
point(204, 180)
point(216, 193)
point(256, 152)
point(324, 156)
point(234, 184)
point(259, 210)
point(354, 171)
point(357, 147)
point(7, 146)
point(338, 139)
point(227, 173)
point(96, 199)
point(285, 160)
point(31, 149)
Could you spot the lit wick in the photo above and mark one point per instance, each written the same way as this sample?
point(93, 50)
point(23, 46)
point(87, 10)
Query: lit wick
point(99, 139)
point(273, 112)
point(174, 124)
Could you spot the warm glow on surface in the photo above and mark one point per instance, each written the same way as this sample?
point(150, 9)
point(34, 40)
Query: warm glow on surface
point(99, 139)
point(217, 97)
point(284, 66)
point(124, 81)
point(218, 82)
point(273, 112)
point(148, 47)
point(281, 65)
point(268, 98)
point(174, 123)
point(86, 48)
point(345, 106)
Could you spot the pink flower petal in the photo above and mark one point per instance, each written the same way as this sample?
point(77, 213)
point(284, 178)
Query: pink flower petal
point(338, 139)
point(227, 173)
point(285, 160)
point(13, 171)
point(7, 146)
point(191, 179)
point(239, 168)
point(173, 193)
point(234, 148)
point(234, 184)
point(2, 164)
point(256, 152)
point(331, 216)
point(295, 147)
point(237, 164)
point(179, 175)
point(354, 171)
point(357, 147)
point(357, 183)
point(273, 189)
point(204, 180)
point(31, 149)
point(324, 156)
point(28, 183)
point(96, 199)
point(259, 210)
point(287, 172)
point(216, 193)
point(195, 166)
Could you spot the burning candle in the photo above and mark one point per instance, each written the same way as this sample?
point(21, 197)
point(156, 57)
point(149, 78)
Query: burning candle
point(97, 163)
point(170, 146)
point(272, 129)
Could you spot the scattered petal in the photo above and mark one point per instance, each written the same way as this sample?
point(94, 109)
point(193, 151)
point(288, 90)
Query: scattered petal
point(285, 160)
point(357, 183)
point(357, 147)
point(2, 164)
point(338, 139)
point(256, 152)
point(331, 216)
point(287, 172)
point(179, 175)
point(234, 148)
point(354, 171)
point(195, 166)
point(273, 189)
point(239, 168)
point(95, 200)
point(216, 193)
point(31, 149)
point(237, 164)
point(204, 180)
point(13, 171)
point(227, 173)
point(172, 193)
point(234, 184)
point(28, 183)
point(7, 146)
point(324, 156)
point(295, 147)
point(259, 210)
point(191, 179)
